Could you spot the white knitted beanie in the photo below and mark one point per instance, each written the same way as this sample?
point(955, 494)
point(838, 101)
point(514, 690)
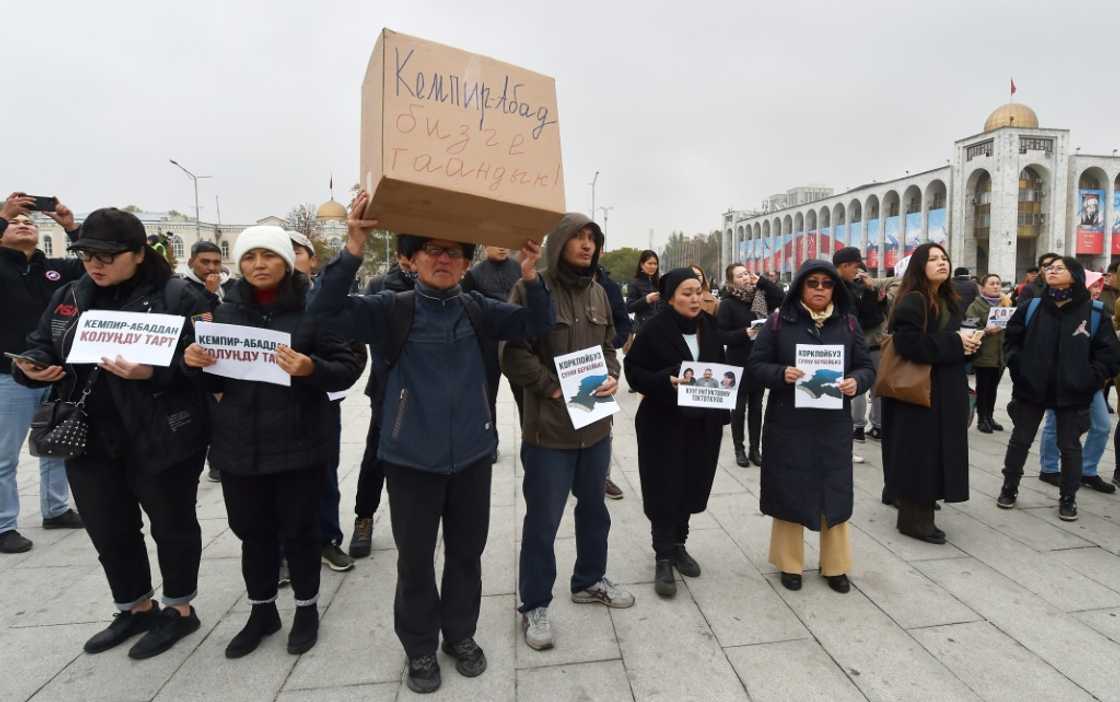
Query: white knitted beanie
point(268, 237)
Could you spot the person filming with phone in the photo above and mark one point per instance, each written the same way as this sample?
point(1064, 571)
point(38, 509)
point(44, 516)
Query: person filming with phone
point(27, 280)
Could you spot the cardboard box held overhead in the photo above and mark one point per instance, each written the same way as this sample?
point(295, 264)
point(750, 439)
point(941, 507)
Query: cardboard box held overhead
point(459, 146)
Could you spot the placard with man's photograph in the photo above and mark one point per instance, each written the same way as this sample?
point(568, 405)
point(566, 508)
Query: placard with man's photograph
point(709, 385)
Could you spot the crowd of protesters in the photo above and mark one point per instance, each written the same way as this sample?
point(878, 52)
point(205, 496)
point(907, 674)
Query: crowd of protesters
point(440, 335)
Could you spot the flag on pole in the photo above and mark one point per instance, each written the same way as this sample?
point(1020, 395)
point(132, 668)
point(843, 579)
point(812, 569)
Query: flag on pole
point(1012, 86)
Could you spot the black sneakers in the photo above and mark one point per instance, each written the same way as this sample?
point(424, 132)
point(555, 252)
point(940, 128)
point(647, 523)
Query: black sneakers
point(756, 456)
point(67, 520)
point(1095, 482)
point(361, 541)
point(1007, 495)
point(11, 541)
point(168, 628)
point(125, 625)
point(1067, 509)
point(664, 583)
point(470, 661)
point(858, 436)
point(875, 433)
point(685, 563)
point(264, 621)
point(305, 630)
point(336, 559)
point(423, 675)
point(741, 459)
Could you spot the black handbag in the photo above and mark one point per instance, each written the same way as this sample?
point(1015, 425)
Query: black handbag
point(60, 429)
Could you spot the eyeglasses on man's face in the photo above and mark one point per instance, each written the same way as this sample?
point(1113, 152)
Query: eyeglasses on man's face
point(435, 251)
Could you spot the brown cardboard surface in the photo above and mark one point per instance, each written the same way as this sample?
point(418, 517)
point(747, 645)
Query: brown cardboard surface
point(459, 146)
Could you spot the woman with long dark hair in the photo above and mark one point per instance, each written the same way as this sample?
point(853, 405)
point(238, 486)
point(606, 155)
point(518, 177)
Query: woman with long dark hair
point(925, 449)
point(642, 298)
point(708, 301)
point(147, 433)
point(743, 302)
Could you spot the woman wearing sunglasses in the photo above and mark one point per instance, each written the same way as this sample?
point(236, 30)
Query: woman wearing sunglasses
point(807, 452)
point(147, 433)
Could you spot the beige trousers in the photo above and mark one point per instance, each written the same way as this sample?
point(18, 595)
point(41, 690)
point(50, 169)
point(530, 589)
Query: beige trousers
point(787, 548)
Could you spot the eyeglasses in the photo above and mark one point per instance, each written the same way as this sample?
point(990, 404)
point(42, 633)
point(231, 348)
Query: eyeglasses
point(453, 252)
point(814, 283)
point(102, 258)
point(1056, 269)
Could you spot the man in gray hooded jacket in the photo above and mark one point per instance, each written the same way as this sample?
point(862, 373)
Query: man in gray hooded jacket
point(559, 459)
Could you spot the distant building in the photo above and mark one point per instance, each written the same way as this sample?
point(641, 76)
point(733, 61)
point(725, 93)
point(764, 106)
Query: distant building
point(1007, 195)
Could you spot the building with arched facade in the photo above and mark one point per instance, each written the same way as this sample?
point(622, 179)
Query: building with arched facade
point(1008, 194)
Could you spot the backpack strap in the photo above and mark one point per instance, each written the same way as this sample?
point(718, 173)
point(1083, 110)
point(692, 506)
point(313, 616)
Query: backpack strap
point(1095, 316)
point(1032, 309)
point(776, 320)
point(400, 324)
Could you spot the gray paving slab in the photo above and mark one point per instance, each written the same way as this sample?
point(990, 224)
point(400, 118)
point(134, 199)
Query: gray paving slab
point(386, 692)
point(604, 681)
point(30, 658)
point(792, 670)
point(1103, 621)
point(1095, 563)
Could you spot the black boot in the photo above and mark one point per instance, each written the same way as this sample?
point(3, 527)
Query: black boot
point(1067, 508)
point(264, 621)
point(305, 629)
point(756, 456)
point(1008, 494)
point(996, 426)
point(791, 581)
point(663, 582)
point(125, 625)
point(685, 563)
point(741, 457)
point(984, 425)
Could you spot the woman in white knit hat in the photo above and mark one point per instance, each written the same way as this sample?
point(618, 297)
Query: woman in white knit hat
point(271, 441)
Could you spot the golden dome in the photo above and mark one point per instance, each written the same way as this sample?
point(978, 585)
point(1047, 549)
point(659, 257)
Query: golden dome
point(1013, 114)
point(331, 210)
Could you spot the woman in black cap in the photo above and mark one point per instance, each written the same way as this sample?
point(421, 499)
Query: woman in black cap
point(677, 446)
point(147, 433)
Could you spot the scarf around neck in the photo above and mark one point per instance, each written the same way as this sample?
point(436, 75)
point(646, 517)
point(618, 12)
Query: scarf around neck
point(819, 318)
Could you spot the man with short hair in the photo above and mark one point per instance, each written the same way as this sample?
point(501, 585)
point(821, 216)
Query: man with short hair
point(965, 287)
point(204, 272)
point(439, 443)
point(869, 296)
point(1035, 289)
point(494, 277)
point(28, 279)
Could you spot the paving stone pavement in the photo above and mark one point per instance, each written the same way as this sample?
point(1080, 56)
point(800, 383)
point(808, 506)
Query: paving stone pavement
point(1018, 606)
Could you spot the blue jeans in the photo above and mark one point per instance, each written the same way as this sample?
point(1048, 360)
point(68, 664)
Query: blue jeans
point(1095, 441)
point(550, 474)
point(17, 407)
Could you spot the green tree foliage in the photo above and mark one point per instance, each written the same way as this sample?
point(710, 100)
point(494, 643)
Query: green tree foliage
point(621, 263)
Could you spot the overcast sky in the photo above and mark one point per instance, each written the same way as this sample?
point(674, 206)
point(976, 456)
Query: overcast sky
point(685, 108)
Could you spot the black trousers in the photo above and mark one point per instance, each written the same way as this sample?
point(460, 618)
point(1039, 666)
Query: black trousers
point(1072, 422)
point(110, 494)
point(749, 408)
point(668, 534)
point(418, 502)
point(987, 382)
point(276, 514)
point(519, 398)
point(371, 475)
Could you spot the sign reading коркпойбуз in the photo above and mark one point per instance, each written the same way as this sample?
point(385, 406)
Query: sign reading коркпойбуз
point(823, 366)
point(580, 374)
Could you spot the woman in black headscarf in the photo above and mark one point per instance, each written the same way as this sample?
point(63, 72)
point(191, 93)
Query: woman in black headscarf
point(677, 446)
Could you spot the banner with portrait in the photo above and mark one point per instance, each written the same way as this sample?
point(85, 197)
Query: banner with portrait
point(839, 236)
point(1116, 222)
point(811, 245)
point(913, 232)
point(937, 231)
point(890, 241)
point(1090, 221)
point(826, 243)
point(872, 257)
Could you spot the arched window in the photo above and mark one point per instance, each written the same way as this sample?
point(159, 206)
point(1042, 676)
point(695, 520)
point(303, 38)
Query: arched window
point(177, 246)
point(224, 246)
point(48, 245)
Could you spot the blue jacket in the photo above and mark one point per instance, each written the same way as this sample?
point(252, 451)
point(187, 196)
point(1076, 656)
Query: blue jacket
point(435, 415)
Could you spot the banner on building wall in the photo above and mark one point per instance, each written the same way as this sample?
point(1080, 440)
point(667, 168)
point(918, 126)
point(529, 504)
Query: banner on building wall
point(937, 233)
point(1090, 222)
point(839, 237)
point(890, 241)
point(855, 235)
point(826, 243)
point(913, 231)
point(872, 257)
point(811, 245)
point(1116, 222)
point(756, 256)
point(741, 254)
point(787, 253)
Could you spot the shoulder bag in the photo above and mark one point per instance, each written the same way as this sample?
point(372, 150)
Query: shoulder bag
point(60, 428)
point(901, 379)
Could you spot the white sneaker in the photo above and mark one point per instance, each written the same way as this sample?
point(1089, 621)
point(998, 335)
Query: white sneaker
point(604, 592)
point(856, 458)
point(537, 629)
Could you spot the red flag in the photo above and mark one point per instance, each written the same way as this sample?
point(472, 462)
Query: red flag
point(1012, 86)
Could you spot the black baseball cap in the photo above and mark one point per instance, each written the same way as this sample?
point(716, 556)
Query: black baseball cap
point(109, 230)
point(204, 247)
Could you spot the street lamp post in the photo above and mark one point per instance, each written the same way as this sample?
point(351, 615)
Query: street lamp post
point(592, 184)
point(197, 224)
point(605, 211)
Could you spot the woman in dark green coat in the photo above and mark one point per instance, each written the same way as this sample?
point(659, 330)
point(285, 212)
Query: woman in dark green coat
point(989, 360)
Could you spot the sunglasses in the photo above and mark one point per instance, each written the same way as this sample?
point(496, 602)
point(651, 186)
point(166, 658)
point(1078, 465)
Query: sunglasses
point(453, 252)
point(102, 258)
point(814, 283)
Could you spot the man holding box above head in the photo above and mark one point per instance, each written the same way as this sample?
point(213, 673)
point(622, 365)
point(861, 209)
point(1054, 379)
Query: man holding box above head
point(439, 439)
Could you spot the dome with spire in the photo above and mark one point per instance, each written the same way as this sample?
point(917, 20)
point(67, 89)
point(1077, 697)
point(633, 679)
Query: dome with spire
point(1013, 114)
point(331, 209)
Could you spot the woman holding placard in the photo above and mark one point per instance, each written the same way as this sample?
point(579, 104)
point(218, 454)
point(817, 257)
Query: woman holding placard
point(743, 303)
point(271, 441)
point(807, 456)
point(677, 446)
point(147, 432)
point(988, 361)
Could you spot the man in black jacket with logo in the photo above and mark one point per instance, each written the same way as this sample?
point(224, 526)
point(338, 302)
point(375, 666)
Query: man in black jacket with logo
point(27, 280)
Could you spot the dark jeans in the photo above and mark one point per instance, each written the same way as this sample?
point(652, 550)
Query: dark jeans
point(330, 531)
point(519, 398)
point(371, 476)
point(749, 408)
point(110, 494)
point(1072, 423)
point(418, 502)
point(668, 534)
point(987, 382)
point(276, 514)
point(550, 475)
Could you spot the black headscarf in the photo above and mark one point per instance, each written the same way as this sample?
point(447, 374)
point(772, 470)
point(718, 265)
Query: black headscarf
point(667, 286)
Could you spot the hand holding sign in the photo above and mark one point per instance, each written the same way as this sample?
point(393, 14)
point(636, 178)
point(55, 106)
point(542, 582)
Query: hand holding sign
point(530, 254)
point(126, 369)
point(293, 362)
point(848, 386)
point(608, 388)
point(196, 357)
point(357, 227)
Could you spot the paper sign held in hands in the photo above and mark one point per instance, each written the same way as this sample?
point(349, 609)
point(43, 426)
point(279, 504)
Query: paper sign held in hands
point(580, 374)
point(243, 353)
point(139, 337)
point(459, 146)
point(999, 316)
point(823, 365)
point(709, 385)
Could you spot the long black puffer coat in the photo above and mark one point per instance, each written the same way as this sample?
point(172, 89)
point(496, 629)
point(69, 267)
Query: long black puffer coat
point(266, 428)
point(807, 453)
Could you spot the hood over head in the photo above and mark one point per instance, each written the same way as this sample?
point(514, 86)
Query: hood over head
point(569, 226)
point(841, 303)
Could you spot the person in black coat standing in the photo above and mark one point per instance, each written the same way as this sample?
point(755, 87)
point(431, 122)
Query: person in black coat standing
point(677, 446)
point(643, 298)
point(272, 442)
point(147, 433)
point(742, 303)
point(807, 466)
point(925, 449)
point(1058, 360)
